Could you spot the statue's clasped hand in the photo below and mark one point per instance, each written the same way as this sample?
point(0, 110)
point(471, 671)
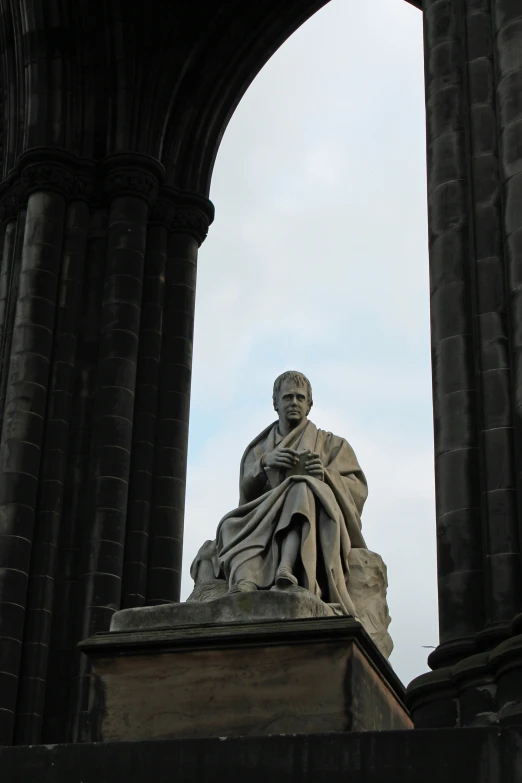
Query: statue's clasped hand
point(285, 458)
point(314, 466)
point(280, 458)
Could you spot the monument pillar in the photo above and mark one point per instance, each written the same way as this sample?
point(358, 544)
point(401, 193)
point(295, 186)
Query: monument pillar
point(98, 298)
point(187, 225)
point(474, 133)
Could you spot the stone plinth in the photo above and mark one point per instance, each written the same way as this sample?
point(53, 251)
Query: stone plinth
point(367, 584)
point(282, 677)
point(294, 603)
point(491, 755)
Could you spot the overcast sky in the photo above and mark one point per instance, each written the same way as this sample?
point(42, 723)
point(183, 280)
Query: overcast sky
point(317, 261)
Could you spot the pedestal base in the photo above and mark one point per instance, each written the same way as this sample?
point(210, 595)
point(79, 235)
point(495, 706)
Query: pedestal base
point(484, 689)
point(283, 677)
point(429, 756)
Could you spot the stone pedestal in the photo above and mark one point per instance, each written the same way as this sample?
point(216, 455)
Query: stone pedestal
point(294, 603)
point(276, 677)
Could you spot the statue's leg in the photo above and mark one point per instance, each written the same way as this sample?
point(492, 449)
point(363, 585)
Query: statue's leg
point(289, 552)
point(243, 582)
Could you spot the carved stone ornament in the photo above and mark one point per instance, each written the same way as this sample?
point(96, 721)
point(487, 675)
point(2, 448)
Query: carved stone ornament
point(45, 170)
point(10, 202)
point(183, 212)
point(133, 175)
point(192, 221)
point(48, 176)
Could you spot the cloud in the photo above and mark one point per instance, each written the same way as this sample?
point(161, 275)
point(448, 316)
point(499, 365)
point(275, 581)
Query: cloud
point(317, 261)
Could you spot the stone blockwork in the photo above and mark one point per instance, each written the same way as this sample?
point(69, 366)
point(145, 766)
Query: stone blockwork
point(276, 604)
point(96, 320)
point(471, 756)
point(474, 144)
point(481, 690)
point(367, 584)
point(282, 677)
point(76, 360)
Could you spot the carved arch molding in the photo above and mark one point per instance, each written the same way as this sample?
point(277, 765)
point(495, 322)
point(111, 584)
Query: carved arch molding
point(159, 79)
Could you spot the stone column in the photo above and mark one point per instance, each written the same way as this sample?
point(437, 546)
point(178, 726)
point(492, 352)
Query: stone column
point(14, 260)
point(455, 367)
point(5, 276)
point(474, 120)
point(46, 184)
point(507, 31)
point(477, 512)
point(53, 471)
point(145, 416)
point(188, 220)
point(132, 184)
point(74, 533)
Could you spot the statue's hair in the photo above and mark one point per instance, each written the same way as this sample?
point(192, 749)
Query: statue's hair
point(294, 377)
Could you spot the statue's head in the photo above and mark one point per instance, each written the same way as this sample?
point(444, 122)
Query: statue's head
point(292, 395)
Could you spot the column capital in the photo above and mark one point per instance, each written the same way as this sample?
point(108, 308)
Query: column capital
point(133, 175)
point(10, 201)
point(183, 212)
point(45, 169)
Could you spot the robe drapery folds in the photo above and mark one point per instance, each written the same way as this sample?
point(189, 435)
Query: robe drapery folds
point(326, 514)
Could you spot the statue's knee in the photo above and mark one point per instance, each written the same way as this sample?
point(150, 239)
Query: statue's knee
point(205, 572)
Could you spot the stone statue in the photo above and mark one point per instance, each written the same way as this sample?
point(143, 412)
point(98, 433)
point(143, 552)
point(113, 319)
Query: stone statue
point(299, 518)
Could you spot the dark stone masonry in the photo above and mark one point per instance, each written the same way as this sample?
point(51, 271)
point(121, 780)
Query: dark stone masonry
point(111, 115)
point(467, 755)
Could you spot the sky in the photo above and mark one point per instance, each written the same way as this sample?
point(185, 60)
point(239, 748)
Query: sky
point(317, 261)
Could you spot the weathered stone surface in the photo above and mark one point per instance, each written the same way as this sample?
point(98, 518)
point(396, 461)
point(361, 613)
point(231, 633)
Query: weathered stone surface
point(287, 677)
point(208, 591)
point(301, 496)
point(471, 756)
point(367, 583)
point(262, 605)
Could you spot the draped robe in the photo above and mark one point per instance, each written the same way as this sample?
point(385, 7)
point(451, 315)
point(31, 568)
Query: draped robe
point(326, 514)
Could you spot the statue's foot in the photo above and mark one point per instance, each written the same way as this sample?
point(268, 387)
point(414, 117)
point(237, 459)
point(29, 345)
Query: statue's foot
point(243, 586)
point(285, 577)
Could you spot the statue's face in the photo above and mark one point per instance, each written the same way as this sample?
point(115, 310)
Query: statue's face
point(292, 402)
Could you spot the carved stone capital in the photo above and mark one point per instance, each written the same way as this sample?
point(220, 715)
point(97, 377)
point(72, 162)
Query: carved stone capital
point(10, 201)
point(45, 169)
point(47, 176)
point(183, 212)
point(56, 170)
point(162, 212)
point(133, 175)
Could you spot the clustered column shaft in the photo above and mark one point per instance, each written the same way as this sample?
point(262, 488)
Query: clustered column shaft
point(473, 328)
point(23, 428)
point(96, 321)
point(37, 634)
point(63, 671)
point(507, 31)
point(166, 542)
point(460, 566)
point(502, 562)
point(474, 119)
point(145, 414)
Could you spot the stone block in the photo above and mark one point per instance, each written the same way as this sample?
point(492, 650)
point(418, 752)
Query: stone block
point(295, 603)
point(302, 676)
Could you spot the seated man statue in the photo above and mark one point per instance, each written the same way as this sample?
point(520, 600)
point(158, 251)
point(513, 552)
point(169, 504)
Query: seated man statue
point(301, 496)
